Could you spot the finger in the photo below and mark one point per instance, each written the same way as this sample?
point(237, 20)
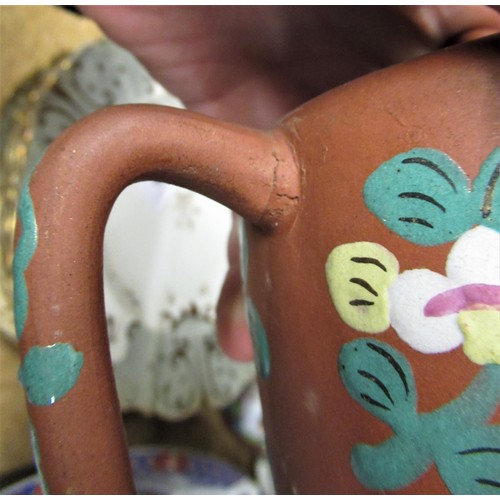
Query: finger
point(447, 24)
point(200, 54)
point(232, 325)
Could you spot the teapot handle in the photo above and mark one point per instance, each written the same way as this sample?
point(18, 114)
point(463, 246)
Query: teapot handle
point(66, 367)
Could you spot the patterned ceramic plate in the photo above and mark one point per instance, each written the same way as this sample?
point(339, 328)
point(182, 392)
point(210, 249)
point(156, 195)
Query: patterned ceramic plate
point(162, 471)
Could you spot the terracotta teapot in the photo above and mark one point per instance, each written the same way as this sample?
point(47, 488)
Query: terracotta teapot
point(370, 253)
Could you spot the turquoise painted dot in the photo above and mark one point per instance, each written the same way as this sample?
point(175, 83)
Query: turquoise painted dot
point(259, 340)
point(48, 373)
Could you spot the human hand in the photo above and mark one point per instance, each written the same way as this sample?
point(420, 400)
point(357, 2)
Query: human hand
point(252, 64)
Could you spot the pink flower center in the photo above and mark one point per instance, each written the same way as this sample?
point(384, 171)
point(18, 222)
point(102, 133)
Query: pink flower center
point(464, 298)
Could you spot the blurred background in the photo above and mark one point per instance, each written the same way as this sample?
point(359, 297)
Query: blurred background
point(177, 389)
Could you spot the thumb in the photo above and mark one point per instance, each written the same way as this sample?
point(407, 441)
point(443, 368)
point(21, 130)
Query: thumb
point(232, 325)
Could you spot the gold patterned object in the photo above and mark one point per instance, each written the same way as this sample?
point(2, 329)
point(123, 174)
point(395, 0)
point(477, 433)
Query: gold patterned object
point(16, 135)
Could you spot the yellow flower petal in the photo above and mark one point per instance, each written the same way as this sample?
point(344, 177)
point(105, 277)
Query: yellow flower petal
point(481, 329)
point(358, 276)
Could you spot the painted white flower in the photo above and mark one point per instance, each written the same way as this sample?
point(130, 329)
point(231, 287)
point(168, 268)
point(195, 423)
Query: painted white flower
point(435, 313)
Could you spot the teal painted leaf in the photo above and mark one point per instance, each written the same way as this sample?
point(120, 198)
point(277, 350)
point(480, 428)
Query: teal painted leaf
point(426, 198)
point(391, 465)
point(422, 195)
point(471, 466)
point(455, 437)
point(380, 379)
point(487, 191)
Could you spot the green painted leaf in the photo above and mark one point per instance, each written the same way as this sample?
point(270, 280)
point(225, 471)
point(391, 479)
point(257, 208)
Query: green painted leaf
point(391, 465)
point(422, 195)
point(471, 466)
point(487, 192)
point(380, 379)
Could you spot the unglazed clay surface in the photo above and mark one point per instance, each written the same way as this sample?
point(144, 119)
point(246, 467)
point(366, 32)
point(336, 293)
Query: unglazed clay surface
point(374, 314)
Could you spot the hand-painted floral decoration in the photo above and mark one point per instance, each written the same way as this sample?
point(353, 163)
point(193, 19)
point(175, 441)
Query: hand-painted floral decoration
point(456, 437)
point(435, 313)
point(425, 197)
point(358, 277)
point(431, 312)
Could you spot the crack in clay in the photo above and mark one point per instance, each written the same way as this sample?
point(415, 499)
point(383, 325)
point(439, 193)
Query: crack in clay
point(271, 216)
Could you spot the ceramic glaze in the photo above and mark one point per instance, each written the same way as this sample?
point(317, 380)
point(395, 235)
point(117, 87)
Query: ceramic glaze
point(22, 257)
point(259, 340)
point(371, 252)
point(48, 373)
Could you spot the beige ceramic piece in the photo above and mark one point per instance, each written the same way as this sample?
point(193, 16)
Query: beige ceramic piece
point(382, 184)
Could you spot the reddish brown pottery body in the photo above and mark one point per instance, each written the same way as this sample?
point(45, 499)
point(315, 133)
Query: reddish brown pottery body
point(301, 190)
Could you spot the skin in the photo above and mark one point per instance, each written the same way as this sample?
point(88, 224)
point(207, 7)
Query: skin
point(253, 64)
